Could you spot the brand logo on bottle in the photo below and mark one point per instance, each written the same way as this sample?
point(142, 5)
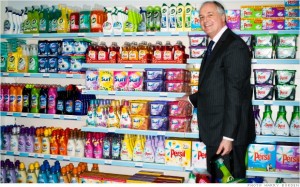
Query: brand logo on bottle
point(201, 155)
point(258, 157)
point(6, 25)
point(2, 59)
point(11, 59)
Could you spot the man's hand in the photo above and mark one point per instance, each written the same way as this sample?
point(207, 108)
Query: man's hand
point(225, 147)
point(184, 101)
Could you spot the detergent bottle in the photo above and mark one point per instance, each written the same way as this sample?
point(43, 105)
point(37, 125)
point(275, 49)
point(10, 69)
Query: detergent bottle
point(52, 100)
point(35, 21)
point(35, 100)
point(23, 59)
point(74, 21)
point(33, 59)
point(179, 17)
point(22, 174)
point(62, 22)
point(44, 19)
point(13, 98)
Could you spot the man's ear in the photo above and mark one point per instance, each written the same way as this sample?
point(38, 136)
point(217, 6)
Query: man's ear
point(224, 17)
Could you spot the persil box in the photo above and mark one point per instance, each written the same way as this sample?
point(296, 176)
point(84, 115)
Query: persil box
point(178, 152)
point(261, 157)
point(233, 18)
point(287, 158)
point(263, 76)
point(198, 155)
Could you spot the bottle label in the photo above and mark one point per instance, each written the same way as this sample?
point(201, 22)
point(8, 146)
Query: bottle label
point(34, 25)
point(6, 25)
point(25, 101)
point(281, 127)
point(60, 25)
point(32, 64)
point(142, 53)
point(42, 24)
point(12, 99)
point(267, 126)
point(124, 55)
point(34, 102)
point(102, 55)
point(54, 25)
point(167, 55)
point(27, 26)
point(51, 102)
point(43, 102)
point(178, 54)
point(116, 150)
point(133, 55)
point(60, 105)
point(74, 26)
point(94, 23)
point(83, 21)
point(69, 106)
point(92, 55)
point(257, 126)
point(21, 64)
point(295, 127)
point(157, 54)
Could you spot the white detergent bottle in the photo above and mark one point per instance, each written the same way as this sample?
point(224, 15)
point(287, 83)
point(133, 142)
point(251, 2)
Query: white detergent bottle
point(8, 21)
point(108, 24)
point(172, 18)
point(15, 24)
point(164, 26)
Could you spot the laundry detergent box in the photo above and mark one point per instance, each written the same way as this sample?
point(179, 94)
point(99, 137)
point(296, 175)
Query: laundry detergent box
point(262, 157)
point(287, 158)
point(178, 152)
point(233, 19)
point(106, 80)
point(198, 155)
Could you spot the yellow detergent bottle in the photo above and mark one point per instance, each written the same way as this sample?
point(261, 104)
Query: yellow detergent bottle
point(113, 119)
point(22, 175)
point(23, 59)
point(12, 62)
point(62, 22)
point(126, 149)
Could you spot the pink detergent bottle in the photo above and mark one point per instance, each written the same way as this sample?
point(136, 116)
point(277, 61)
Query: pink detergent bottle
point(89, 149)
point(52, 98)
point(6, 96)
point(1, 98)
point(97, 146)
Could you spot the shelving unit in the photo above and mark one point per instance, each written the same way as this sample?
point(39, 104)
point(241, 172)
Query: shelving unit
point(136, 164)
point(132, 66)
point(41, 116)
point(254, 61)
point(43, 75)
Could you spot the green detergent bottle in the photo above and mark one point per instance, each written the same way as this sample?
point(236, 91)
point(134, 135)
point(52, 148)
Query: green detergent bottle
point(35, 100)
point(44, 19)
point(85, 21)
point(27, 22)
point(35, 21)
point(227, 177)
point(33, 59)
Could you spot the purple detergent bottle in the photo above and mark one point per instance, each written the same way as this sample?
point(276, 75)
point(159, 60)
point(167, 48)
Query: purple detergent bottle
point(160, 151)
point(89, 149)
point(11, 174)
point(6, 138)
point(21, 140)
point(3, 172)
point(29, 139)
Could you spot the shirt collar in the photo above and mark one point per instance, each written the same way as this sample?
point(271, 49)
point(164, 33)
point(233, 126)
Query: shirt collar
point(218, 36)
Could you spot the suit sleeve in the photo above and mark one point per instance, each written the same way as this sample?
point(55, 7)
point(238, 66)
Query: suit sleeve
point(193, 99)
point(237, 68)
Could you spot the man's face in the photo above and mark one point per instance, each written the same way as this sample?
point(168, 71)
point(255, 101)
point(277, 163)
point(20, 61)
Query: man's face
point(211, 20)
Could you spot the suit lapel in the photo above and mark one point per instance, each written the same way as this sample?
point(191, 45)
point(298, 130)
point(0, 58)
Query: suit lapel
point(209, 60)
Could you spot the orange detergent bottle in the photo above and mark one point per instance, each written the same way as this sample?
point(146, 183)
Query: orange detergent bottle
point(114, 52)
point(63, 142)
point(157, 52)
point(98, 17)
point(19, 98)
point(13, 98)
point(143, 50)
point(133, 51)
point(54, 148)
point(125, 51)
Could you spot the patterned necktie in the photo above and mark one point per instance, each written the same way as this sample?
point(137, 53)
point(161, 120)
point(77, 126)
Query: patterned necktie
point(208, 50)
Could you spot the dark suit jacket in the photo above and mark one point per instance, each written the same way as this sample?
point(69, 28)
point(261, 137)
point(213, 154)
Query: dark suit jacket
point(224, 93)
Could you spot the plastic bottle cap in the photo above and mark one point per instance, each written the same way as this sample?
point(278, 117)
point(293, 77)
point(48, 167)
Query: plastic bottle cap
point(22, 165)
point(31, 166)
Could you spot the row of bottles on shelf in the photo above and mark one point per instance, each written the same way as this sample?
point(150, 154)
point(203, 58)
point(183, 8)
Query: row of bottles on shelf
point(62, 19)
point(43, 99)
point(280, 127)
point(141, 115)
point(73, 142)
point(44, 173)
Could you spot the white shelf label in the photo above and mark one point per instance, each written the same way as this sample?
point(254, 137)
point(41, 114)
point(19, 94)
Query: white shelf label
point(17, 153)
point(174, 33)
point(24, 115)
point(35, 35)
point(2, 151)
point(31, 154)
point(53, 156)
point(268, 102)
point(273, 32)
point(128, 65)
point(161, 133)
point(189, 168)
point(81, 34)
point(9, 113)
point(164, 94)
point(106, 34)
point(108, 162)
point(46, 75)
point(151, 33)
point(128, 33)
point(40, 155)
point(111, 92)
point(138, 164)
point(69, 75)
point(70, 117)
point(254, 60)
point(66, 158)
point(36, 115)
point(26, 74)
point(5, 74)
point(111, 130)
point(56, 116)
point(140, 33)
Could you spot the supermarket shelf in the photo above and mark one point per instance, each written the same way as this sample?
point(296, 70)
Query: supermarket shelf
point(93, 160)
point(270, 139)
point(131, 66)
point(253, 32)
point(135, 93)
point(43, 75)
point(130, 34)
point(254, 61)
point(259, 138)
point(133, 131)
point(271, 102)
point(42, 116)
point(275, 61)
point(273, 174)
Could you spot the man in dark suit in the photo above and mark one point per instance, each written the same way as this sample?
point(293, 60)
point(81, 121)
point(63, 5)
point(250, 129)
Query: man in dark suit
point(223, 100)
